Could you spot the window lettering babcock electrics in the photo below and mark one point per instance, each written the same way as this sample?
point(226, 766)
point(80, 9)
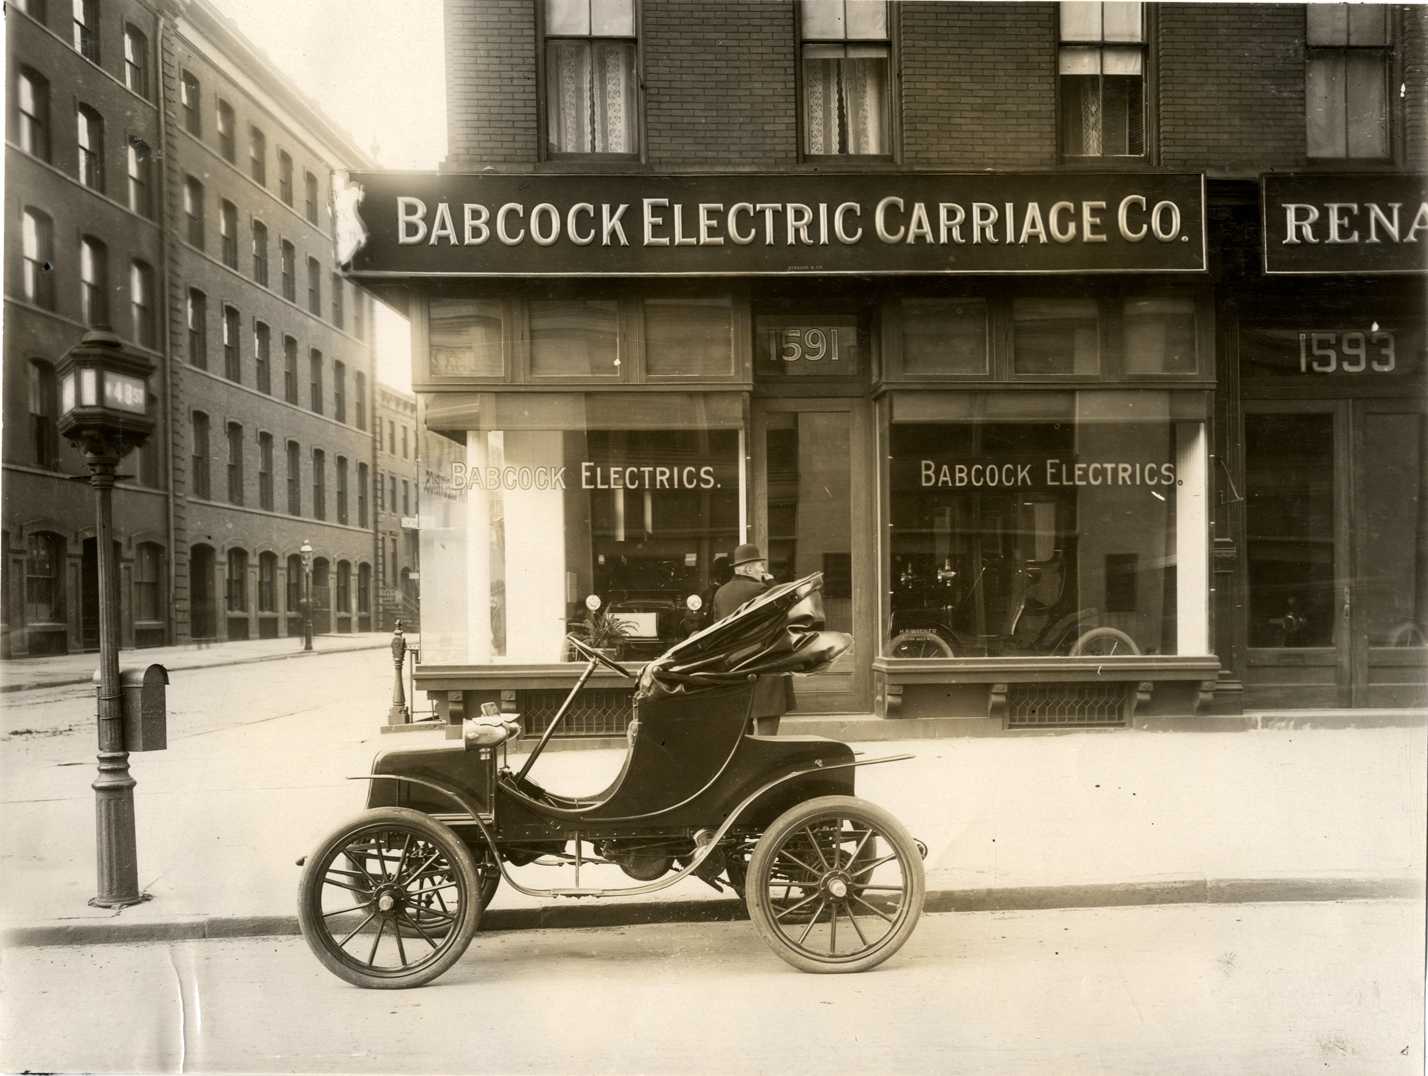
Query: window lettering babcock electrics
point(567, 225)
point(658, 222)
point(1044, 473)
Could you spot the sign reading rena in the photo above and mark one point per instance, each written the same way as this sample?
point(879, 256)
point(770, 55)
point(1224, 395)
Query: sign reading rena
point(1351, 224)
point(442, 224)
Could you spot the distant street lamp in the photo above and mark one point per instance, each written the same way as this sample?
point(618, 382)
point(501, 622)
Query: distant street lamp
point(104, 395)
point(306, 550)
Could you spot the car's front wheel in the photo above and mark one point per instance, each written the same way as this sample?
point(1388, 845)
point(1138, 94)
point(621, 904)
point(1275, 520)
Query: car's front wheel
point(390, 899)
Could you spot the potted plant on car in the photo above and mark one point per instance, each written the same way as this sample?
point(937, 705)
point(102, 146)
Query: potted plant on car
point(599, 628)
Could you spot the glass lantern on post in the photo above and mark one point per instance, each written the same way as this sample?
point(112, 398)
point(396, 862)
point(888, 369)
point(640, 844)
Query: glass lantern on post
point(104, 395)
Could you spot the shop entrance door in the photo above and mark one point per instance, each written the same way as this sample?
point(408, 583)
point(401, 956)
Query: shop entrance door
point(1336, 553)
point(806, 504)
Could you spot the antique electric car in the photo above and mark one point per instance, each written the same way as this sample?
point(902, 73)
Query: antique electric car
point(833, 883)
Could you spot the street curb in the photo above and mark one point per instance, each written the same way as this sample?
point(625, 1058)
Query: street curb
point(616, 914)
point(37, 685)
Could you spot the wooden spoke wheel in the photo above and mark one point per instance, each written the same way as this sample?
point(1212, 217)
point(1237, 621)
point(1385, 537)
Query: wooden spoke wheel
point(390, 899)
point(835, 885)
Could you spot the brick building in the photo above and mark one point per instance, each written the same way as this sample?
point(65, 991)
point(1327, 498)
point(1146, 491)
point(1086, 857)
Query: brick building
point(1080, 346)
point(397, 472)
point(166, 180)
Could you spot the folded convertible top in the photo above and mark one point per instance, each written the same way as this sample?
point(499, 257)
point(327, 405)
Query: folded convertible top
point(780, 631)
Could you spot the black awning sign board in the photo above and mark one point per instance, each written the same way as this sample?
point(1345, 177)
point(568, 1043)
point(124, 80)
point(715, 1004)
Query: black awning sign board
point(1345, 224)
point(748, 224)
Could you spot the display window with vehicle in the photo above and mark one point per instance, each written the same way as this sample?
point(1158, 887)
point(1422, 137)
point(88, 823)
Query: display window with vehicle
point(1049, 524)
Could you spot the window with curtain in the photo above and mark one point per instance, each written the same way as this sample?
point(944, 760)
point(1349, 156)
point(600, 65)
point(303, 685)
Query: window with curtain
point(1101, 61)
point(846, 60)
point(590, 81)
point(91, 148)
point(1346, 80)
point(37, 249)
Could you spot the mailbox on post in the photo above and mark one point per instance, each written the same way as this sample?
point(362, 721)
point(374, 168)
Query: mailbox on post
point(145, 708)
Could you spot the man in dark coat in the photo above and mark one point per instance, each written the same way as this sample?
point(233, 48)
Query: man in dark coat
point(773, 695)
point(750, 580)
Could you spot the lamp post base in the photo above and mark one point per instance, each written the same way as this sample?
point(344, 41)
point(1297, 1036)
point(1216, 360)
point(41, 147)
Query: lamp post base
point(117, 857)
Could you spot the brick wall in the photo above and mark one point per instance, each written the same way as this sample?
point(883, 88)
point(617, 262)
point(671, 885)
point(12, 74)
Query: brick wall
point(979, 85)
point(490, 83)
point(1231, 87)
point(720, 84)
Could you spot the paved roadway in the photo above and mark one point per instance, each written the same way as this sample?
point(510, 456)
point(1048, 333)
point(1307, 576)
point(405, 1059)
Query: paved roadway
point(1167, 990)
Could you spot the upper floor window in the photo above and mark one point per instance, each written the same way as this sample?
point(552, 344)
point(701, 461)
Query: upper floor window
point(339, 390)
point(193, 210)
point(232, 350)
point(359, 398)
point(44, 414)
point(290, 370)
point(198, 328)
point(136, 61)
point(189, 98)
point(1346, 75)
point(591, 103)
point(202, 486)
point(36, 9)
point(235, 463)
point(337, 318)
point(1101, 62)
point(91, 148)
point(226, 138)
point(258, 156)
point(285, 177)
point(93, 281)
point(265, 471)
point(341, 473)
point(86, 28)
point(359, 315)
point(314, 286)
point(263, 357)
point(319, 484)
point(846, 70)
point(32, 99)
point(37, 251)
point(228, 232)
point(309, 183)
point(294, 453)
point(141, 302)
point(314, 367)
point(260, 253)
point(288, 255)
point(137, 160)
point(361, 494)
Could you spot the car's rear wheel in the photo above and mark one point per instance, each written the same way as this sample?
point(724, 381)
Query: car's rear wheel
point(836, 884)
point(390, 899)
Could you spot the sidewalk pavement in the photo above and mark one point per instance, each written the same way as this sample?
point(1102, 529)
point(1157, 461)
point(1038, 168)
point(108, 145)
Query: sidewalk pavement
point(1071, 819)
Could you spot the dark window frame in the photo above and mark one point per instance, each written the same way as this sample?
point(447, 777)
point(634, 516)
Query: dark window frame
point(544, 40)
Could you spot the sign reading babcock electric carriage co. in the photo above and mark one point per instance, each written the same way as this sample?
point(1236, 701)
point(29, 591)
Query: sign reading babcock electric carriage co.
point(442, 224)
point(1353, 224)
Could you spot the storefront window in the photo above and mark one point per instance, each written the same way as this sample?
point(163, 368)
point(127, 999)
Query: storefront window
point(1158, 336)
point(688, 338)
point(1057, 523)
point(531, 505)
point(1055, 336)
point(465, 338)
point(944, 336)
point(575, 338)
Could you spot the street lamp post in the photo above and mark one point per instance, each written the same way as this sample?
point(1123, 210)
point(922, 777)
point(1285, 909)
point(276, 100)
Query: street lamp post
point(306, 551)
point(104, 396)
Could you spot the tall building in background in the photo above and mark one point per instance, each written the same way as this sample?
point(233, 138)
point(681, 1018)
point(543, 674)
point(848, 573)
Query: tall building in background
point(1079, 346)
point(167, 181)
point(397, 470)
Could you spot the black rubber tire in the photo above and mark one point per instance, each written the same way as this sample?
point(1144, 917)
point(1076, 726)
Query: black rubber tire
point(1104, 642)
point(919, 643)
point(811, 874)
point(378, 863)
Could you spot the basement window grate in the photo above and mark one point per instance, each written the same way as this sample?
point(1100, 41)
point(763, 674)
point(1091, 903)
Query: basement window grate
point(596, 712)
point(1068, 706)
